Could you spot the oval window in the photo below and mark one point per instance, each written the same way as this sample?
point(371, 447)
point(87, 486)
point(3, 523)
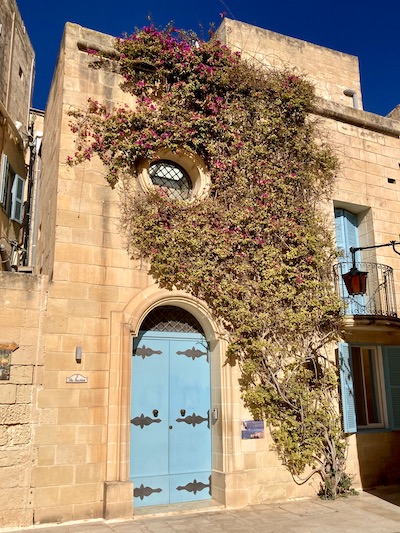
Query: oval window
point(171, 177)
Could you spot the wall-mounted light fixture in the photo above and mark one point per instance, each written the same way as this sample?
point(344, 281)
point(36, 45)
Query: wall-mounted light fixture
point(78, 354)
point(356, 280)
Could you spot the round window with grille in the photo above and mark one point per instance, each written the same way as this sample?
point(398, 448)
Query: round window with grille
point(171, 177)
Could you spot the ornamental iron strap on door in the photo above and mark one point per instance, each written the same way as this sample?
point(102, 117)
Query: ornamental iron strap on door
point(170, 458)
point(194, 419)
point(142, 421)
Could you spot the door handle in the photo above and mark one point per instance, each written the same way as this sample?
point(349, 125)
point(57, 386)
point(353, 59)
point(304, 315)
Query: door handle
point(170, 427)
point(155, 412)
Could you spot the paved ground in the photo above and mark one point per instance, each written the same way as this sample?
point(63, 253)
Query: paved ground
point(377, 511)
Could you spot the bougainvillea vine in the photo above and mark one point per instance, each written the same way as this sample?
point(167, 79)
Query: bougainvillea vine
point(254, 246)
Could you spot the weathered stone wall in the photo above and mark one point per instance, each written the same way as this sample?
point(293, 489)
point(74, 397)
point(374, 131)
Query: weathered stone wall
point(331, 71)
point(17, 61)
point(11, 145)
point(80, 248)
point(368, 149)
point(22, 309)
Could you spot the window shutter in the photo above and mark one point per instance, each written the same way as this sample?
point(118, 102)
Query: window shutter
point(392, 379)
point(347, 389)
point(17, 202)
point(3, 176)
point(340, 232)
point(346, 230)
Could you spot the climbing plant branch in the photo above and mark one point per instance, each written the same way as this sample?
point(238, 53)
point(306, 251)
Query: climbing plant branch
point(255, 248)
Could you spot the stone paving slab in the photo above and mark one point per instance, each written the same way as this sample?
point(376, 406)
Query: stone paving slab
point(377, 511)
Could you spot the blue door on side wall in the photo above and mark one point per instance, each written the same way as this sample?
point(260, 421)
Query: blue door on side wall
point(170, 450)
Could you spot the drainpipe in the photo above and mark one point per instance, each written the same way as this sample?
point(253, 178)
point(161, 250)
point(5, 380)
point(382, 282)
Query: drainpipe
point(34, 142)
point(32, 260)
point(352, 93)
point(28, 205)
point(32, 77)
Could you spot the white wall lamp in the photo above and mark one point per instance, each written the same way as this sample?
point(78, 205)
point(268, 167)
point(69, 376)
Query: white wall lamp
point(78, 354)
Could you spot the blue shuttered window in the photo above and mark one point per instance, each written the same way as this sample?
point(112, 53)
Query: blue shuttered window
point(347, 389)
point(3, 177)
point(17, 199)
point(11, 191)
point(392, 379)
point(366, 391)
point(346, 231)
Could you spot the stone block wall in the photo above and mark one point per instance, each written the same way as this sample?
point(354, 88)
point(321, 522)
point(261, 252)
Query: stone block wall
point(17, 61)
point(329, 70)
point(22, 307)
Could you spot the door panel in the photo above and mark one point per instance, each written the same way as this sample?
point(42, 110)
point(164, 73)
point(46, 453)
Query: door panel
point(190, 443)
point(149, 409)
point(170, 428)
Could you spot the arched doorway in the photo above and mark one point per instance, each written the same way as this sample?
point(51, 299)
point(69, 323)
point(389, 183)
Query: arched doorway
point(170, 429)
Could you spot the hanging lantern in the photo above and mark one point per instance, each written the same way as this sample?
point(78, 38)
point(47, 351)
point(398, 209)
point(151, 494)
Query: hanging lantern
point(355, 281)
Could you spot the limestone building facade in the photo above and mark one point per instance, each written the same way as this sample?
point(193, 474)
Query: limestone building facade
point(87, 305)
point(17, 68)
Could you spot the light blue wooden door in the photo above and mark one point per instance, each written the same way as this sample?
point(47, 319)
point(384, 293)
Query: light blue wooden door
point(170, 459)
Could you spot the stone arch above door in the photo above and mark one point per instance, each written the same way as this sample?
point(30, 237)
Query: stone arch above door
point(151, 297)
point(225, 392)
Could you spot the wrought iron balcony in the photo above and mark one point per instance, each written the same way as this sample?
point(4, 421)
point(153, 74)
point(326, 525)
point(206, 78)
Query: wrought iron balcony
point(379, 298)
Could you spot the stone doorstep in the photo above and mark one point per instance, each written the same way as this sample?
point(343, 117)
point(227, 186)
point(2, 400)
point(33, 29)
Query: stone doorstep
point(156, 511)
point(178, 508)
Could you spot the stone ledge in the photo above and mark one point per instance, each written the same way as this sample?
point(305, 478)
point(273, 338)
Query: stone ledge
point(357, 117)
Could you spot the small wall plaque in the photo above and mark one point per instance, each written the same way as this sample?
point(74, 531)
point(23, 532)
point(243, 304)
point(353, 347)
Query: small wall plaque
point(252, 429)
point(77, 378)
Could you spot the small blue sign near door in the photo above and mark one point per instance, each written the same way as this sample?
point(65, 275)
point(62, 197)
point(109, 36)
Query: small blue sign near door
point(170, 454)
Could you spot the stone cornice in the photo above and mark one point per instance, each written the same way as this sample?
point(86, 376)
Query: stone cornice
point(357, 117)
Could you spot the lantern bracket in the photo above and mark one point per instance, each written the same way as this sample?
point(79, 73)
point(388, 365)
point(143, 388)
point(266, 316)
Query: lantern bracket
point(353, 250)
point(356, 281)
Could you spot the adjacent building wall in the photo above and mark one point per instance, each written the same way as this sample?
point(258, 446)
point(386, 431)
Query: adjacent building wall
point(17, 63)
point(23, 304)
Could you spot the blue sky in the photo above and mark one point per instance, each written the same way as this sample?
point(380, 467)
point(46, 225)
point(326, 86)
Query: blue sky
point(369, 30)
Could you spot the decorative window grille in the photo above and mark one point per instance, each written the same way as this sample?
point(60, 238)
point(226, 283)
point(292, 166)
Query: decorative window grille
point(171, 319)
point(171, 177)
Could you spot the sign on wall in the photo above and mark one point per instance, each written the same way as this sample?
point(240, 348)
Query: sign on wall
point(252, 429)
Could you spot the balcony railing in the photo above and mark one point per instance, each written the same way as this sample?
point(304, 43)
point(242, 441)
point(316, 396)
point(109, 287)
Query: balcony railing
point(380, 297)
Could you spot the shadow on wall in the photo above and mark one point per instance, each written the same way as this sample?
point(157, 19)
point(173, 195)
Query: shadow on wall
point(379, 461)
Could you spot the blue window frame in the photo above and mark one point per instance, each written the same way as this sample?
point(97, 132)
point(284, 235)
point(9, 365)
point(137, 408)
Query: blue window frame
point(370, 386)
point(11, 191)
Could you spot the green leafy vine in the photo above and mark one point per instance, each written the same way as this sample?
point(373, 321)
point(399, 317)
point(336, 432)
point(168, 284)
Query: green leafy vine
point(254, 246)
